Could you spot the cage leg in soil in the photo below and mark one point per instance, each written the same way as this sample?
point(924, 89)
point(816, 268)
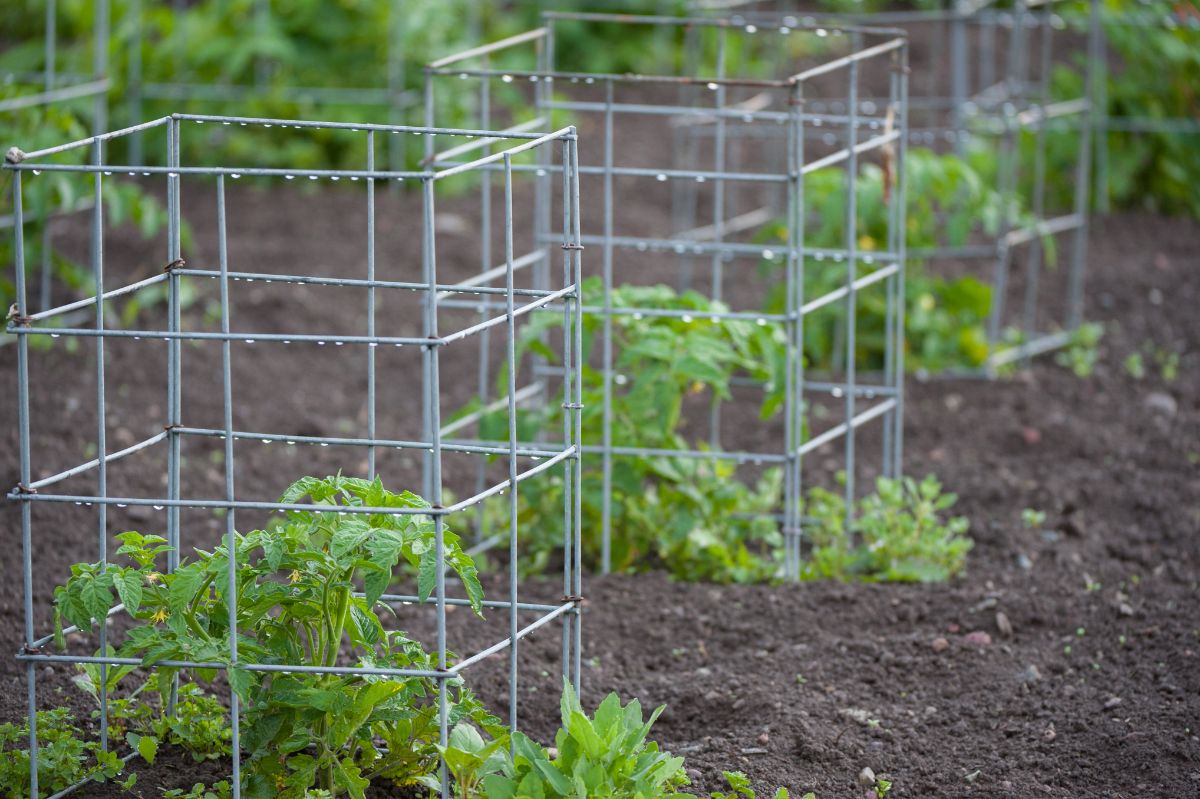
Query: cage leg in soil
point(743, 277)
point(401, 344)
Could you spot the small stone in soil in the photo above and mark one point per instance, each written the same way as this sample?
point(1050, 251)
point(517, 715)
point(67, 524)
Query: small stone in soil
point(1112, 702)
point(940, 645)
point(1049, 733)
point(764, 738)
point(978, 637)
point(866, 777)
point(1003, 624)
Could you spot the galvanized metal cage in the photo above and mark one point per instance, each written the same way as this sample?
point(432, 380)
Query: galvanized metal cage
point(441, 332)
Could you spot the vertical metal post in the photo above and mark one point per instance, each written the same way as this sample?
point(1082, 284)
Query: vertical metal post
point(851, 292)
point(794, 377)
point(434, 475)
point(373, 345)
point(577, 409)
point(511, 352)
point(718, 266)
point(485, 263)
point(1083, 169)
point(174, 364)
point(97, 261)
point(1034, 263)
point(959, 79)
point(1098, 95)
point(567, 414)
point(133, 86)
point(396, 85)
point(900, 199)
point(230, 521)
point(100, 66)
point(26, 475)
point(44, 212)
point(606, 437)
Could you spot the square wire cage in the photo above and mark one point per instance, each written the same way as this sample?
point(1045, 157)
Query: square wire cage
point(388, 294)
point(719, 83)
point(982, 84)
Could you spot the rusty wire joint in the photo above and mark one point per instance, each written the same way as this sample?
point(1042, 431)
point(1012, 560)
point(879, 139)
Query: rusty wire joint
point(177, 263)
point(15, 318)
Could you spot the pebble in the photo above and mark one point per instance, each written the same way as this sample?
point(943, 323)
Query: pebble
point(1003, 624)
point(764, 739)
point(1030, 674)
point(940, 645)
point(1112, 702)
point(978, 637)
point(1125, 609)
point(1161, 402)
point(1049, 733)
point(866, 777)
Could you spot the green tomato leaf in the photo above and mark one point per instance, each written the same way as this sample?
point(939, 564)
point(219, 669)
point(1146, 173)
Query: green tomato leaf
point(129, 588)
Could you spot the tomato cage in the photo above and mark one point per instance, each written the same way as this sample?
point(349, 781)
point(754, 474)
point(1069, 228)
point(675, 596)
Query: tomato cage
point(210, 445)
point(983, 90)
point(744, 272)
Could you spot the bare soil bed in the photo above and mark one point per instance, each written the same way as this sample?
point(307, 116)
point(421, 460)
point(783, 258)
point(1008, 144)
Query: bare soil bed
point(1095, 690)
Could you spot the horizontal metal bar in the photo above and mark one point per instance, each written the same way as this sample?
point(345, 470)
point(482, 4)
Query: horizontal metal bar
point(839, 293)
point(1032, 116)
point(735, 456)
point(840, 430)
point(444, 288)
point(524, 393)
point(501, 44)
point(692, 247)
point(698, 175)
point(550, 76)
point(225, 504)
point(230, 171)
point(60, 95)
point(522, 477)
point(363, 442)
point(507, 642)
point(524, 127)
point(94, 462)
point(737, 224)
point(357, 671)
point(569, 291)
point(873, 143)
point(695, 113)
point(558, 135)
point(199, 335)
point(412, 599)
point(847, 60)
point(89, 141)
point(690, 22)
point(361, 127)
point(1038, 346)
point(496, 272)
point(1046, 227)
point(90, 301)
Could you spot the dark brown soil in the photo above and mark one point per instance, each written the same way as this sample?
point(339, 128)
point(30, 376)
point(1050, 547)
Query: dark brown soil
point(1096, 691)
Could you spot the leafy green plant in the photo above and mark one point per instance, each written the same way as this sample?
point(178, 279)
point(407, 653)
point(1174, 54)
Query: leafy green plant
point(677, 513)
point(607, 755)
point(218, 790)
point(896, 534)
point(1083, 349)
point(948, 203)
point(297, 601)
point(64, 756)
point(1033, 519)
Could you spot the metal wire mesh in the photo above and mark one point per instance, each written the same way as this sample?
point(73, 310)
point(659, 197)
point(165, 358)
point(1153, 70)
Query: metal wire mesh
point(986, 80)
point(513, 305)
point(838, 60)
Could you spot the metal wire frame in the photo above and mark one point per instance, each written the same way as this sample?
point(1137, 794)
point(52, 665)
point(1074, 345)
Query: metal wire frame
point(880, 401)
point(564, 455)
point(56, 89)
point(392, 97)
point(999, 108)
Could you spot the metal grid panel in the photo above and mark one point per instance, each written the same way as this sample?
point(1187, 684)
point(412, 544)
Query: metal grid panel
point(512, 305)
point(724, 248)
point(996, 88)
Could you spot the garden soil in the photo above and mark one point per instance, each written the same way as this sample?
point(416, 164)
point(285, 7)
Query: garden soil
point(1065, 662)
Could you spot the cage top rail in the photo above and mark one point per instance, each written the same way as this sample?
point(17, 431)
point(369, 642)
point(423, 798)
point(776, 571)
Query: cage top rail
point(15, 157)
point(897, 37)
point(802, 25)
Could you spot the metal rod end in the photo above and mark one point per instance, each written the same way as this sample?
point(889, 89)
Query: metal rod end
point(15, 155)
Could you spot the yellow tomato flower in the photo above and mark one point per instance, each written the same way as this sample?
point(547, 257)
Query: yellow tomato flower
point(295, 576)
point(160, 615)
